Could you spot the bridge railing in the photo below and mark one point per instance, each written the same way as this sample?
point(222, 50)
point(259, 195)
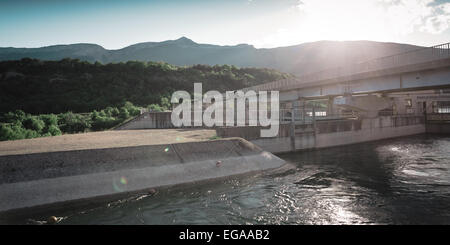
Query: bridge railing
point(417, 56)
point(308, 115)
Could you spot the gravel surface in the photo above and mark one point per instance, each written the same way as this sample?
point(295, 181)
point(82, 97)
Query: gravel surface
point(104, 139)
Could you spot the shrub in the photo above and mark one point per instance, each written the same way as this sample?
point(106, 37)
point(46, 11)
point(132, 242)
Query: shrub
point(6, 132)
point(112, 111)
point(49, 119)
point(102, 113)
point(132, 110)
point(12, 117)
point(101, 123)
point(54, 130)
point(165, 103)
point(73, 123)
point(29, 134)
point(124, 114)
point(155, 107)
point(33, 123)
point(46, 134)
point(16, 132)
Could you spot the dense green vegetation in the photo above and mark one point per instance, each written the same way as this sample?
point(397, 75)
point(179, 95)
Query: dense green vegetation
point(20, 125)
point(47, 98)
point(43, 87)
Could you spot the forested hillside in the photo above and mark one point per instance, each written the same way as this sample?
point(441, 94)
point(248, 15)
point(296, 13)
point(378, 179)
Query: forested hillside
point(40, 87)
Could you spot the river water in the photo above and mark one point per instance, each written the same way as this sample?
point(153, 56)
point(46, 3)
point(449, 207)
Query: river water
point(396, 181)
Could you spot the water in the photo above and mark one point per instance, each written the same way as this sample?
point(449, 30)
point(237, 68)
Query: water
point(398, 181)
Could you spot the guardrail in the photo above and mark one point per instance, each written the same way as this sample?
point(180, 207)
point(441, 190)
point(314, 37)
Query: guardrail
point(417, 56)
point(438, 117)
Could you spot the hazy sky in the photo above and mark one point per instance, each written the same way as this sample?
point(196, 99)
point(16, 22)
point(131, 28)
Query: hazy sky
point(263, 23)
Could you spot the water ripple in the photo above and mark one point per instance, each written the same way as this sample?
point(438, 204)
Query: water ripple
point(398, 181)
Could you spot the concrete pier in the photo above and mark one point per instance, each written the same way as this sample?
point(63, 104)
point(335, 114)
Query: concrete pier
point(31, 180)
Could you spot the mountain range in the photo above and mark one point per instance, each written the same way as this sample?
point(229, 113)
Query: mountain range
point(298, 59)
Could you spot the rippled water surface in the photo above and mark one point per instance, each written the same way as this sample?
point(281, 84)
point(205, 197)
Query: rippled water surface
point(398, 181)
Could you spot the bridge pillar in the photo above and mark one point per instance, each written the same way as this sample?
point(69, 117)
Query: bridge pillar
point(292, 129)
point(330, 106)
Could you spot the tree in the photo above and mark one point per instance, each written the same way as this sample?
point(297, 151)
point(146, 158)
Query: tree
point(124, 114)
point(80, 86)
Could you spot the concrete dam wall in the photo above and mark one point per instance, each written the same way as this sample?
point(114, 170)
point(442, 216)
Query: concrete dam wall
point(33, 180)
point(321, 134)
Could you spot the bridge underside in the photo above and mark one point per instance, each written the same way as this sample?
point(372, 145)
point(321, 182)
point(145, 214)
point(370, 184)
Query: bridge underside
point(408, 92)
point(412, 81)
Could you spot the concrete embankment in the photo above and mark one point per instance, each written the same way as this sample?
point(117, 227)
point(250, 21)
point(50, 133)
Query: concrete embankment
point(35, 179)
point(438, 128)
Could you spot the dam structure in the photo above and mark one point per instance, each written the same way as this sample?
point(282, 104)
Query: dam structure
point(398, 95)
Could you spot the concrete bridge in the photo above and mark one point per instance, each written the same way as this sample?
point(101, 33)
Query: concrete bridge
point(423, 68)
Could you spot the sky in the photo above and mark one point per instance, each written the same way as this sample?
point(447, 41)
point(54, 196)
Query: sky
point(115, 24)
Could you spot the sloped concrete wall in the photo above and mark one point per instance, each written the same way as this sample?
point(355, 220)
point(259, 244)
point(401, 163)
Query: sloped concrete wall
point(38, 179)
point(149, 120)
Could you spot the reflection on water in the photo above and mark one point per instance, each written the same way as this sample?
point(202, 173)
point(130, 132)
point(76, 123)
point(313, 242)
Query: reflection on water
point(399, 181)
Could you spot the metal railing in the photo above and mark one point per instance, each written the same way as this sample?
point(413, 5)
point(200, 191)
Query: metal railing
point(308, 115)
point(416, 56)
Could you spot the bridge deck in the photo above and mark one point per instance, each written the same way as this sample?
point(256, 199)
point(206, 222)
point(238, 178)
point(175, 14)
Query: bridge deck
point(416, 60)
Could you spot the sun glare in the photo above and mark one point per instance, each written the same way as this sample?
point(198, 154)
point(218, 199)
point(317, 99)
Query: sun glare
point(343, 20)
point(376, 20)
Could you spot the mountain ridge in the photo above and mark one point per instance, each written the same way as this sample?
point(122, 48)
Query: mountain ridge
point(295, 59)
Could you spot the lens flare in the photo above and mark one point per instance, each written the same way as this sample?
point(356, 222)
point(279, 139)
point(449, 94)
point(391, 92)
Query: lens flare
point(123, 180)
point(120, 184)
